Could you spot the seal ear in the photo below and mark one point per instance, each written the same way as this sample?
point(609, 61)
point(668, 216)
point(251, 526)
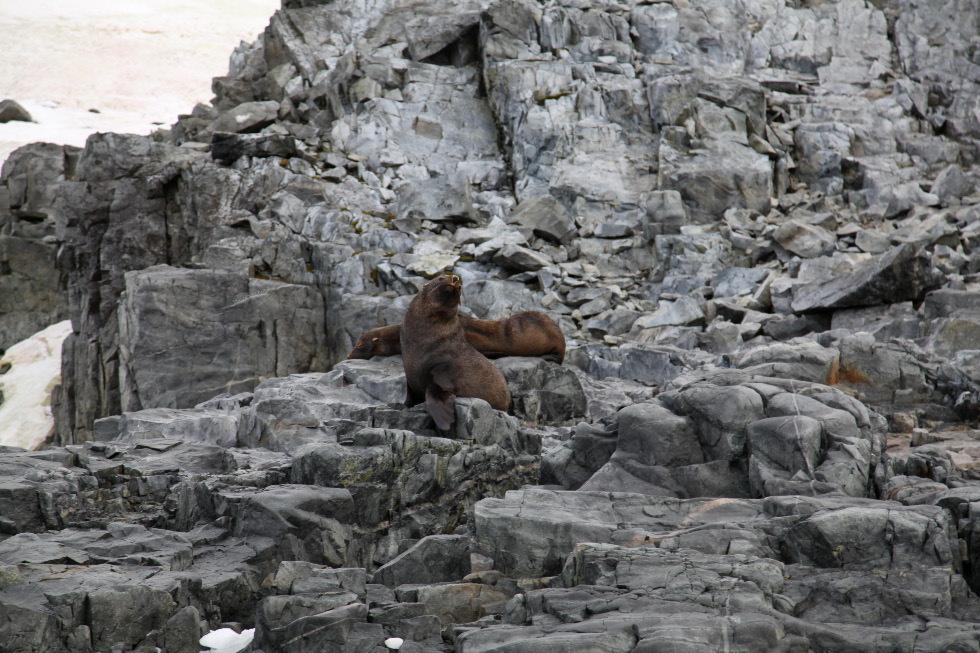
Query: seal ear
point(440, 396)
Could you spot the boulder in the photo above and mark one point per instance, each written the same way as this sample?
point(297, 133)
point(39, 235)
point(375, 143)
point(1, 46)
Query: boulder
point(900, 274)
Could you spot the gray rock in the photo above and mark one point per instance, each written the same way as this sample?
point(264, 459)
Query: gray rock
point(897, 320)
point(684, 311)
point(573, 462)
point(248, 117)
point(434, 480)
point(612, 322)
point(521, 259)
point(899, 274)
point(163, 315)
point(722, 175)
point(453, 602)
point(434, 559)
point(951, 184)
point(546, 217)
point(12, 110)
point(622, 134)
point(33, 293)
point(804, 240)
point(228, 147)
point(872, 242)
point(665, 213)
point(543, 392)
point(303, 624)
point(723, 525)
point(737, 282)
point(183, 631)
point(208, 426)
point(950, 303)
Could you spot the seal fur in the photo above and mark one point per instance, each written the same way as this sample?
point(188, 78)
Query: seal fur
point(525, 334)
point(440, 363)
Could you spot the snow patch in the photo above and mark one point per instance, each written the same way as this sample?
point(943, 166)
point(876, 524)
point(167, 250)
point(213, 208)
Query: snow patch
point(226, 640)
point(34, 370)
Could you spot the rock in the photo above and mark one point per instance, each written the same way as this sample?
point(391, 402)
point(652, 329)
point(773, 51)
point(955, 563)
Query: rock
point(182, 631)
point(520, 259)
point(12, 110)
point(435, 559)
point(577, 459)
point(453, 602)
point(951, 184)
point(545, 217)
point(612, 322)
point(900, 274)
point(247, 118)
point(162, 312)
point(228, 147)
point(682, 312)
point(713, 179)
point(665, 212)
point(904, 197)
point(897, 320)
point(215, 426)
point(737, 282)
point(542, 392)
point(872, 242)
point(33, 289)
point(804, 240)
point(763, 252)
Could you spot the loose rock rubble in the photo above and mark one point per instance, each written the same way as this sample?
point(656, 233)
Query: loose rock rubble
point(758, 227)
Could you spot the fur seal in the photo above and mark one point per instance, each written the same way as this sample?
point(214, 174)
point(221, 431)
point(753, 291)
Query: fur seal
point(440, 364)
point(525, 334)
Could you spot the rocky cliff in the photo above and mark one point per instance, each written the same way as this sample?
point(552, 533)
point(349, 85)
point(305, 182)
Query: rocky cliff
point(757, 223)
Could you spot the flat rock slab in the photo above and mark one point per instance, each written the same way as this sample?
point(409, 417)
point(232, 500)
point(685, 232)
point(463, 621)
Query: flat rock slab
point(530, 532)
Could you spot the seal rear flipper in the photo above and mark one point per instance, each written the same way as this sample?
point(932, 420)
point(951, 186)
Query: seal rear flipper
point(442, 406)
point(440, 395)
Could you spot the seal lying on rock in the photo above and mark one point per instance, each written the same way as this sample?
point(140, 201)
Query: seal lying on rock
point(525, 334)
point(440, 364)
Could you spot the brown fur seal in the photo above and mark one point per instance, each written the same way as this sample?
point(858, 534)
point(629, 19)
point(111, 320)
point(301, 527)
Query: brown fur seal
point(524, 334)
point(440, 364)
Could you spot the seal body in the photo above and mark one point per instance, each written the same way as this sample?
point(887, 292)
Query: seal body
point(440, 363)
point(383, 341)
point(525, 334)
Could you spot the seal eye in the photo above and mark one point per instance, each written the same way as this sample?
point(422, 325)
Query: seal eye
point(374, 339)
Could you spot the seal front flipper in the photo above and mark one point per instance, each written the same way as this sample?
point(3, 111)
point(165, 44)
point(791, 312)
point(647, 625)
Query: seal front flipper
point(440, 396)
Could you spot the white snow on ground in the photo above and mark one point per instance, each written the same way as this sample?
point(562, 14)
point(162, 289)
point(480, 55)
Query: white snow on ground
point(35, 369)
point(140, 64)
point(226, 640)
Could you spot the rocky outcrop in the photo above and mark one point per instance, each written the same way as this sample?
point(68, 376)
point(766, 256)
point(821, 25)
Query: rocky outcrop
point(757, 227)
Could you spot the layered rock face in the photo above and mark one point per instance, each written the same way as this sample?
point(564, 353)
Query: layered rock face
point(758, 225)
